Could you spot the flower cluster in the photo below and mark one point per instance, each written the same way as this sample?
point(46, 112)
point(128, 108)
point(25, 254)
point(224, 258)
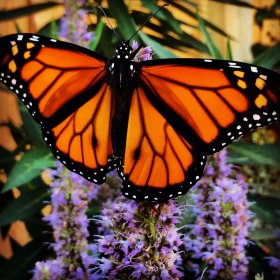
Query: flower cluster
point(73, 27)
point(218, 236)
point(143, 54)
point(70, 197)
point(140, 241)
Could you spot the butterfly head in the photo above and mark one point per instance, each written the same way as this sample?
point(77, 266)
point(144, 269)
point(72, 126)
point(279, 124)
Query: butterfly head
point(123, 51)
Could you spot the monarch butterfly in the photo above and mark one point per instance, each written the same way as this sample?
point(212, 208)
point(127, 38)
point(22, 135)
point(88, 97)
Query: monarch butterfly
point(154, 121)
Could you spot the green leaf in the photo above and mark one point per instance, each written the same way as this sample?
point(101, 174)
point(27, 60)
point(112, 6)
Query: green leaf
point(266, 202)
point(163, 15)
point(18, 29)
point(213, 49)
point(107, 42)
point(266, 216)
point(31, 128)
point(263, 234)
point(267, 154)
point(54, 29)
point(229, 52)
point(50, 29)
point(98, 32)
point(27, 10)
point(193, 15)
point(269, 57)
point(160, 50)
point(29, 167)
point(26, 205)
point(169, 40)
point(126, 25)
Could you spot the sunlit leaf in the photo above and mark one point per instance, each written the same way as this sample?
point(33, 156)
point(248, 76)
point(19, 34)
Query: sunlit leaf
point(163, 15)
point(213, 49)
point(160, 50)
point(126, 25)
point(190, 13)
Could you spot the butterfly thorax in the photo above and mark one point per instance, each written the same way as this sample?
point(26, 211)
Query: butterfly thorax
point(121, 67)
point(122, 70)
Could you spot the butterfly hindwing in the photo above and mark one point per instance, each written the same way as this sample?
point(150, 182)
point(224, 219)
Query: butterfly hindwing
point(64, 89)
point(212, 102)
point(158, 163)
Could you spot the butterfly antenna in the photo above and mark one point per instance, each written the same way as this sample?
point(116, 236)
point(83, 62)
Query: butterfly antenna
point(148, 19)
point(103, 12)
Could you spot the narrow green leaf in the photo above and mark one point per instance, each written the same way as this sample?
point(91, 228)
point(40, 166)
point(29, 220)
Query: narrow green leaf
point(27, 204)
point(267, 216)
point(31, 128)
point(213, 49)
point(107, 42)
point(269, 57)
point(263, 234)
point(268, 154)
point(229, 52)
point(54, 29)
point(126, 25)
point(169, 40)
point(160, 50)
point(50, 29)
point(29, 167)
point(193, 15)
point(18, 28)
point(163, 15)
point(98, 32)
point(27, 10)
point(269, 203)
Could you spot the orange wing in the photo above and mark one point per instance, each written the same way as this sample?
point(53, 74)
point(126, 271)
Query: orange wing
point(63, 86)
point(157, 160)
point(212, 102)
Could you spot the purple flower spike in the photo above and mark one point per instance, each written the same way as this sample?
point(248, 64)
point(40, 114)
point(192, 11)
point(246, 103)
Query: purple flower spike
point(70, 196)
point(73, 27)
point(218, 237)
point(144, 244)
point(143, 54)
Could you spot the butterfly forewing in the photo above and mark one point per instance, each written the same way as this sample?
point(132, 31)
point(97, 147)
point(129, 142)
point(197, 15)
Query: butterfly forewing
point(64, 88)
point(212, 102)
